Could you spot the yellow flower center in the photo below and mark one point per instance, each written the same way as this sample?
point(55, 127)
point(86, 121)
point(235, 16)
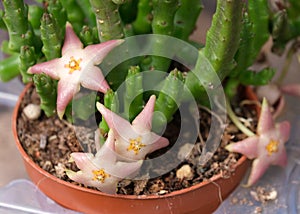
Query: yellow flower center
point(272, 147)
point(100, 175)
point(73, 65)
point(135, 145)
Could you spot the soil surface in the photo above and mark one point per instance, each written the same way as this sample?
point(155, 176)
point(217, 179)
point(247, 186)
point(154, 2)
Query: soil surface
point(50, 141)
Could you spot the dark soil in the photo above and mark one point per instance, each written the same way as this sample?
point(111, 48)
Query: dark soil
point(50, 141)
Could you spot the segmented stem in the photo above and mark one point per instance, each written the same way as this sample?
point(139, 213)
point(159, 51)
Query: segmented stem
point(108, 20)
point(88, 36)
point(143, 22)
point(223, 37)
point(59, 13)
point(46, 88)
point(51, 37)
point(16, 20)
point(27, 59)
point(163, 23)
point(186, 18)
point(168, 100)
point(133, 98)
point(74, 13)
point(9, 68)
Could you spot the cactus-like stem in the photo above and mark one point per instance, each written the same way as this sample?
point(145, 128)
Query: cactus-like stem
point(27, 59)
point(59, 13)
point(2, 24)
point(143, 21)
point(51, 37)
point(90, 17)
point(163, 23)
point(128, 11)
point(168, 100)
point(74, 13)
point(9, 68)
point(87, 36)
point(111, 102)
point(223, 37)
point(185, 18)
point(222, 42)
point(16, 20)
point(108, 20)
point(46, 88)
point(133, 98)
point(35, 13)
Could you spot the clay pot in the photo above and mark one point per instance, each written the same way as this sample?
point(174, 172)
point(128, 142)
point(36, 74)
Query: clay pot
point(203, 198)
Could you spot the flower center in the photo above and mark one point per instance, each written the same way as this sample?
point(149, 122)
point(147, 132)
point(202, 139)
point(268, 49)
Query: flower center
point(135, 145)
point(100, 175)
point(272, 147)
point(73, 65)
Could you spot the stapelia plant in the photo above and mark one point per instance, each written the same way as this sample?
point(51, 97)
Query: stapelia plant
point(62, 44)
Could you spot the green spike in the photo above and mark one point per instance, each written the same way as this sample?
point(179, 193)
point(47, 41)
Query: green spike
point(87, 36)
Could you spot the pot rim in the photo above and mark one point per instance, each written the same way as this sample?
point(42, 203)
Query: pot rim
point(26, 157)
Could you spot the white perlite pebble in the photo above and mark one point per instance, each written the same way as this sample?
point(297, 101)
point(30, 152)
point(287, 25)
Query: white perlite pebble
point(185, 172)
point(32, 111)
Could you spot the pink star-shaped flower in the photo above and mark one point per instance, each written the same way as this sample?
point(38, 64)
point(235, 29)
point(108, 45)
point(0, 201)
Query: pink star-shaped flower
point(267, 147)
point(134, 141)
point(76, 66)
point(102, 171)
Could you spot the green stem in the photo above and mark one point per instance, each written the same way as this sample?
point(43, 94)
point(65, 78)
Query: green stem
point(186, 18)
point(108, 20)
point(27, 59)
point(163, 23)
point(236, 120)
point(9, 68)
point(168, 100)
point(133, 98)
point(16, 20)
point(51, 37)
point(46, 88)
point(223, 37)
point(142, 24)
point(85, 6)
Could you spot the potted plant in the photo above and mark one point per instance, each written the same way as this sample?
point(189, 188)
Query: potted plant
point(159, 123)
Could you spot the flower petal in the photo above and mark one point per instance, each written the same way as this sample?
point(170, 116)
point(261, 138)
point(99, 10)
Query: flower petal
point(84, 161)
point(97, 52)
point(284, 128)
point(143, 122)
point(65, 93)
point(72, 42)
point(266, 121)
point(259, 167)
point(247, 147)
point(121, 127)
point(50, 68)
point(292, 89)
point(93, 79)
point(124, 170)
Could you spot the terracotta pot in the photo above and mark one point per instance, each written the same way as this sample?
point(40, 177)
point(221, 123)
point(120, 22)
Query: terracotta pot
point(203, 198)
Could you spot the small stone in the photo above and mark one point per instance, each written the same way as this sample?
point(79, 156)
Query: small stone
point(185, 172)
point(32, 111)
point(184, 151)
